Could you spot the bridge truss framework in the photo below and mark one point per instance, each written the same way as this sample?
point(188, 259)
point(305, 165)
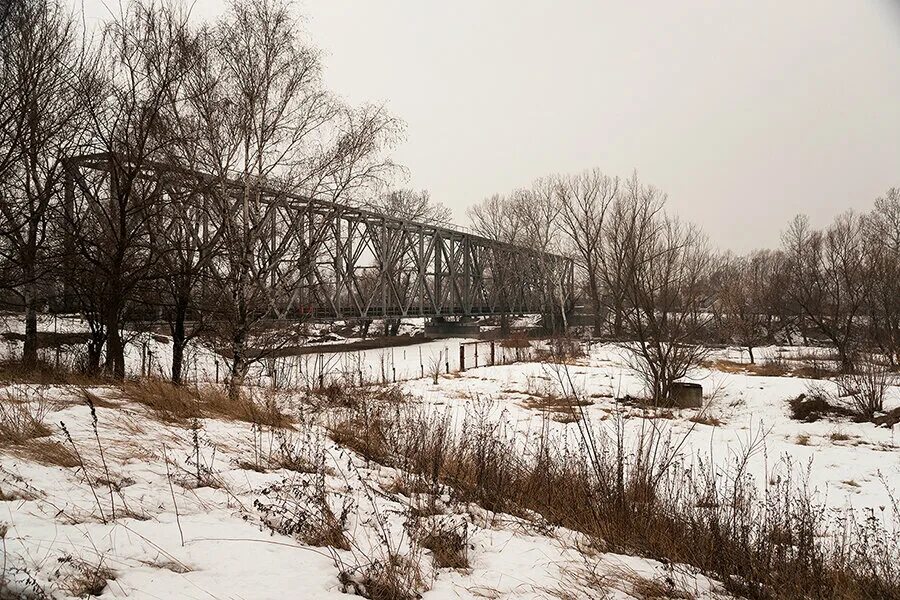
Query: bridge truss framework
point(362, 264)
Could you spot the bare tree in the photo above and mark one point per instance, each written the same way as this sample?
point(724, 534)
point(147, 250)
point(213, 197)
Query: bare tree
point(413, 205)
point(585, 199)
point(496, 218)
point(42, 58)
point(829, 272)
point(181, 279)
point(112, 223)
point(633, 211)
point(744, 299)
point(11, 116)
point(538, 213)
point(269, 130)
point(666, 270)
point(883, 255)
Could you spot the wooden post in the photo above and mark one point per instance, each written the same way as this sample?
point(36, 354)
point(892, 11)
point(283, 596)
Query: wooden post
point(493, 356)
point(462, 358)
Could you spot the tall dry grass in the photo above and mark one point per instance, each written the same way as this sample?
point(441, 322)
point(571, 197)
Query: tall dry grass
point(182, 404)
point(640, 497)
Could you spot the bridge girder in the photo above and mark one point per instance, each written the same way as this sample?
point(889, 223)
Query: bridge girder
point(363, 264)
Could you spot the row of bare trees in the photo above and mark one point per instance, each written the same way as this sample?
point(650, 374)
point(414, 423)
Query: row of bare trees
point(240, 99)
point(837, 285)
point(653, 283)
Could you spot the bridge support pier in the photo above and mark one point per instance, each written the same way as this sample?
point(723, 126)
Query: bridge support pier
point(440, 327)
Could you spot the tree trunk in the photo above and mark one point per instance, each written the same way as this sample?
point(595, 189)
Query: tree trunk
point(178, 344)
point(239, 366)
point(750, 350)
point(597, 305)
point(177, 360)
point(504, 324)
point(30, 354)
point(618, 318)
point(115, 351)
point(846, 358)
point(94, 350)
point(394, 328)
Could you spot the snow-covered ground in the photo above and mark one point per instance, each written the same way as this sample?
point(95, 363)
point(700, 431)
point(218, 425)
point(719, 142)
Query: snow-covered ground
point(174, 537)
point(848, 464)
point(159, 531)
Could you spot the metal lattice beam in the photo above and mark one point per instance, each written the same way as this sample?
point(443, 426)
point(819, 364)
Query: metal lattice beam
point(365, 264)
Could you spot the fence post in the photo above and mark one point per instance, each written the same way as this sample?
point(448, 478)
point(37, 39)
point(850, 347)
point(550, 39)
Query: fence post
point(492, 354)
point(462, 358)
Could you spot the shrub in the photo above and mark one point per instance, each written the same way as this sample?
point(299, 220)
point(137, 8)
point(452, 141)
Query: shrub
point(449, 543)
point(83, 579)
point(300, 508)
point(814, 405)
point(866, 385)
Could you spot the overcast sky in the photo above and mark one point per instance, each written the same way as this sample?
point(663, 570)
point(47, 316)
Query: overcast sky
point(745, 112)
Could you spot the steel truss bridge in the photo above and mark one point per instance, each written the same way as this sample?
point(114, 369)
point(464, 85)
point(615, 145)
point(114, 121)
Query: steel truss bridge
point(359, 263)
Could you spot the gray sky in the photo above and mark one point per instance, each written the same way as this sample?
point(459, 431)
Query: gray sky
point(746, 112)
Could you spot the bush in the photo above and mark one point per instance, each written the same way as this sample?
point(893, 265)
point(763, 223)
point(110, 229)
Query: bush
point(814, 405)
point(866, 385)
point(448, 542)
point(300, 508)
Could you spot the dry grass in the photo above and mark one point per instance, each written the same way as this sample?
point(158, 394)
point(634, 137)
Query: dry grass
point(765, 369)
point(181, 404)
point(518, 340)
point(564, 410)
point(82, 579)
point(11, 372)
point(795, 367)
point(802, 439)
point(776, 542)
point(396, 577)
point(561, 350)
point(24, 431)
point(706, 419)
point(409, 485)
point(655, 589)
point(840, 436)
point(449, 544)
point(22, 417)
point(50, 452)
point(299, 508)
point(90, 397)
